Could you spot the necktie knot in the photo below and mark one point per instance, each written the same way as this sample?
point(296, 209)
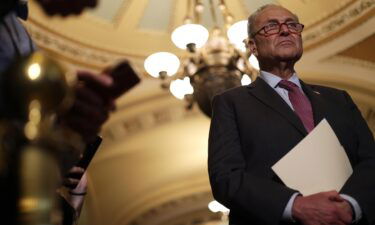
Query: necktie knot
point(288, 85)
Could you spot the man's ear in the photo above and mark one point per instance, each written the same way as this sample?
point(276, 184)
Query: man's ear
point(252, 46)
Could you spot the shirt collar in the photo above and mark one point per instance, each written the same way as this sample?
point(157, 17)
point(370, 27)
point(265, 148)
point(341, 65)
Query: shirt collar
point(273, 80)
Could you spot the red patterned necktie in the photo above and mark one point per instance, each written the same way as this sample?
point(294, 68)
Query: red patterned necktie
point(301, 104)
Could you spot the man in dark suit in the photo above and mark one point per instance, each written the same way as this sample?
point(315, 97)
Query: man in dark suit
point(254, 126)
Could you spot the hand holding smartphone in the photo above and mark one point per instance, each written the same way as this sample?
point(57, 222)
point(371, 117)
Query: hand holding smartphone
point(124, 78)
point(83, 163)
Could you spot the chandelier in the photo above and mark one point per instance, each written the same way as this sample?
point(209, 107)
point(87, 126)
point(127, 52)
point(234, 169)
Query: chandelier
point(214, 60)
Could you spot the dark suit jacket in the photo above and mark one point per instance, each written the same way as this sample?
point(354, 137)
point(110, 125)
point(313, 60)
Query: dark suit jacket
point(252, 128)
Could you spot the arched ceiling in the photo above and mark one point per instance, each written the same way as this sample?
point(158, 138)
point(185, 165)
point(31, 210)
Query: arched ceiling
point(151, 168)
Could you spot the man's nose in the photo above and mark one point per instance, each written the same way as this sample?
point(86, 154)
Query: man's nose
point(284, 29)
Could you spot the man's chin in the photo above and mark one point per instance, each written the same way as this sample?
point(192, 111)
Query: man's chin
point(288, 57)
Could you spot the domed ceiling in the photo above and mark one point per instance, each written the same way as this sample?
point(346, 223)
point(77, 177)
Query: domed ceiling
point(151, 168)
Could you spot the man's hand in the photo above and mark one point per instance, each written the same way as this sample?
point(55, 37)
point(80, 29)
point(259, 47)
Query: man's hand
point(322, 208)
point(346, 207)
point(72, 179)
point(75, 188)
point(91, 105)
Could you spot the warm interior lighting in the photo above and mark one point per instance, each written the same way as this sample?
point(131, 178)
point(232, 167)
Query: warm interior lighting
point(190, 34)
point(34, 71)
point(181, 87)
point(161, 62)
point(245, 80)
point(254, 62)
point(31, 129)
point(215, 63)
point(237, 33)
point(215, 207)
point(199, 7)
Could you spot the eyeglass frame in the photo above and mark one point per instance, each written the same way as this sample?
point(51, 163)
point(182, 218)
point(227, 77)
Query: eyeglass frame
point(280, 24)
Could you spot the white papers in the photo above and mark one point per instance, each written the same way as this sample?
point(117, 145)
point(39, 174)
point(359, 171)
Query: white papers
point(318, 163)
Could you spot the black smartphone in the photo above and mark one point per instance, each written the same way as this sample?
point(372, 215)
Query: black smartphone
point(124, 78)
point(85, 160)
point(89, 153)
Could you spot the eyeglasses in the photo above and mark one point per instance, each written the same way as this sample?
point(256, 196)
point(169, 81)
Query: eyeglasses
point(274, 28)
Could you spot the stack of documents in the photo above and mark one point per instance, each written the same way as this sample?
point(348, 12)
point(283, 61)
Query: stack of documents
point(318, 163)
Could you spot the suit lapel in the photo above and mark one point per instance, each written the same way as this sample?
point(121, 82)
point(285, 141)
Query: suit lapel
point(263, 92)
point(318, 105)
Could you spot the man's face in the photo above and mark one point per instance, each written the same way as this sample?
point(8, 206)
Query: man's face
point(281, 47)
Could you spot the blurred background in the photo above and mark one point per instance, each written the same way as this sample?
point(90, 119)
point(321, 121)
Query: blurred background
point(151, 168)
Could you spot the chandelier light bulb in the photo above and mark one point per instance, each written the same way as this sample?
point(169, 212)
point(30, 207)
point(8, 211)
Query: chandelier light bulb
point(222, 7)
point(215, 207)
point(254, 62)
point(190, 34)
point(181, 87)
point(187, 20)
point(245, 80)
point(161, 62)
point(199, 7)
point(237, 33)
point(229, 18)
point(34, 71)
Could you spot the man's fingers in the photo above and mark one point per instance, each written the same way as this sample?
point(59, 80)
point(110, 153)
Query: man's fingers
point(333, 196)
point(76, 169)
point(94, 80)
point(75, 173)
point(95, 113)
point(82, 185)
point(70, 182)
point(344, 212)
point(320, 209)
point(341, 211)
point(336, 198)
point(89, 115)
point(101, 85)
point(72, 179)
point(331, 193)
point(87, 130)
point(88, 95)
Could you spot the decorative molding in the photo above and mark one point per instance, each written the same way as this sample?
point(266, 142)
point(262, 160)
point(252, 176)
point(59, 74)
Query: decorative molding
point(352, 61)
point(73, 52)
point(92, 57)
point(354, 15)
point(329, 13)
point(318, 20)
point(125, 127)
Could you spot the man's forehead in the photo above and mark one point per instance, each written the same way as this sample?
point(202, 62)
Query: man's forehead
point(275, 13)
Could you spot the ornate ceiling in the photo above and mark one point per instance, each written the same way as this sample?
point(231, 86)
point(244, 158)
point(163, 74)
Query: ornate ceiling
point(151, 168)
